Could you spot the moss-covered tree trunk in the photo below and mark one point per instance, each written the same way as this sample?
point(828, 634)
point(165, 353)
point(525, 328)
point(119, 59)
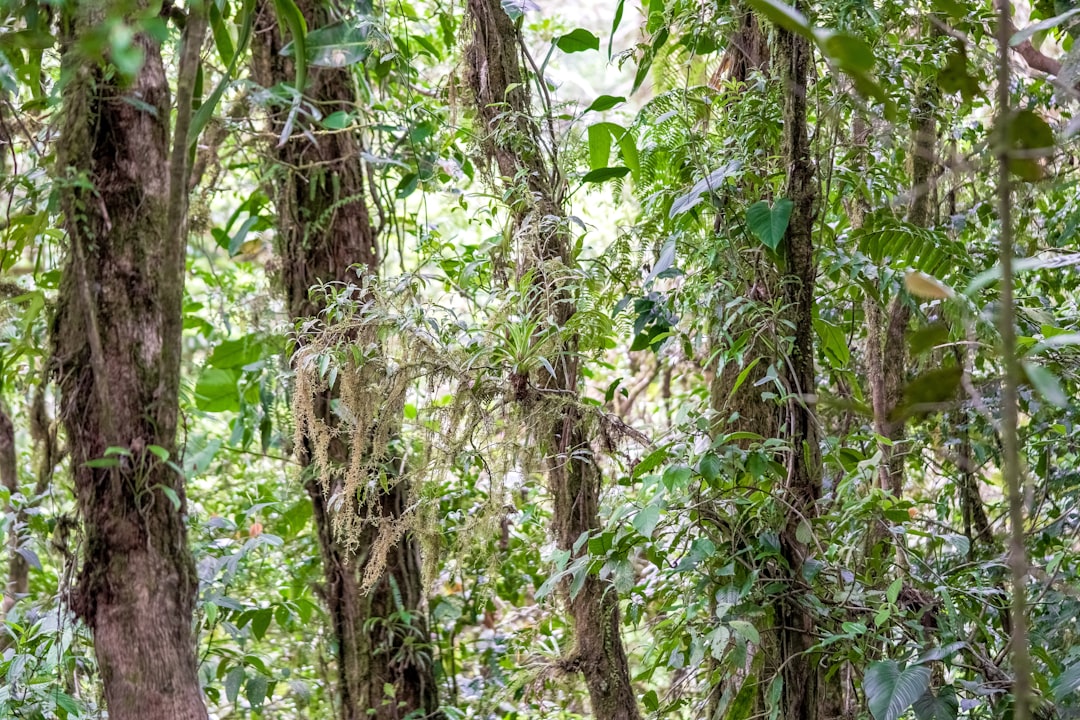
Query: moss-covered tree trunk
point(794, 617)
point(116, 360)
point(512, 138)
point(326, 234)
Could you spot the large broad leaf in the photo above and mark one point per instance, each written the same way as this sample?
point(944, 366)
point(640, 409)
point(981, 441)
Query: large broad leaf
point(216, 390)
point(942, 706)
point(577, 40)
point(236, 353)
point(890, 691)
point(769, 224)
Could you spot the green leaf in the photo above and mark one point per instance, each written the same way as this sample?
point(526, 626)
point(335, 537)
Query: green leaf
point(784, 16)
point(161, 453)
point(894, 590)
point(577, 40)
point(651, 701)
point(709, 467)
point(615, 22)
point(206, 110)
point(1046, 383)
point(255, 690)
point(260, 621)
point(890, 691)
point(603, 174)
point(102, 463)
point(605, 102)
point(1030, 141)
point(834, 343)
point(650, 462)
point(646, 519)
point(1066, 683)
point(337, 120)
point(803, 532)
point(236, 353)
point(289, 15)
point(216, 391)
point(599, 136)
point(746, 631)
point(171, 494)
point(942, 706)
point(233, 681)
point(677, 476)
point(69, 704)
point(769, 224)
point(849, 52)
point(222, 38)
point(954, 76)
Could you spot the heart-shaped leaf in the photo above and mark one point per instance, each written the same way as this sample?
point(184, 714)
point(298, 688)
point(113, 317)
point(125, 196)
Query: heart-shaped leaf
point(769, 224)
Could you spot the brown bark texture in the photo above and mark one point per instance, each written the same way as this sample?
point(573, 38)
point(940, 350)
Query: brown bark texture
point(18, 581)
point(748, 48)
point(799, 668)
point(326, 234)
point(115, 358)
point(886, 344)
point(513, 139)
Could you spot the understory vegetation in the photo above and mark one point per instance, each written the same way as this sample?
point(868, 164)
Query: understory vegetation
point(503, 359)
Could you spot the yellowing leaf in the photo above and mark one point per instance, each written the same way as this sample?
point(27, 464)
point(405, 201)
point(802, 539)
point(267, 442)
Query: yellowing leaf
point(923, 286)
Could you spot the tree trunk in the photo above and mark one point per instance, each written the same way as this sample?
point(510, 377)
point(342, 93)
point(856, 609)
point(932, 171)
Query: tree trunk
point(116, 359)
point(886, 333)
point(325, 233)
point(513, 139)
point(799, 669)
point(18, 571)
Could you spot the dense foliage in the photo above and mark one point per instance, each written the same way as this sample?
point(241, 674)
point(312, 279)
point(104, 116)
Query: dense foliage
point(682, 360)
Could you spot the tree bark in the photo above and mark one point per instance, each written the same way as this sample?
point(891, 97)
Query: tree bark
point(886, 350)
point(116, 360)
point(797, 627)
point(326, 234)
point(18, 571)
point(514, 140)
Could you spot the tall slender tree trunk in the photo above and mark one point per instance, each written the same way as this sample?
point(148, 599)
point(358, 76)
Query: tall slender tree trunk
point(797, 627)
point(887, 331)
point(18, 580)
point(326, 234)
point(116, 360)
point(513, 139)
